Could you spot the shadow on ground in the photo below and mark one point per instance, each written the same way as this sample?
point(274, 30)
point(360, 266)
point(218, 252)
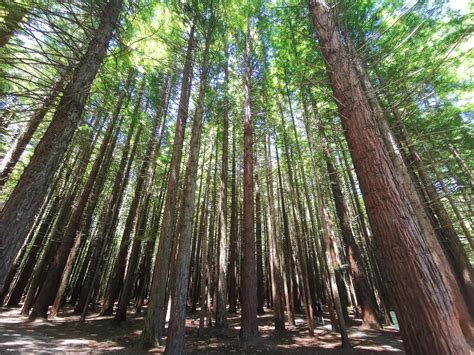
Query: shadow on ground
point(66, 334)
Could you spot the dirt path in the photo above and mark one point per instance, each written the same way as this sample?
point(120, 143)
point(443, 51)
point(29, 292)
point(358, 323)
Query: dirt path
point(98, 335)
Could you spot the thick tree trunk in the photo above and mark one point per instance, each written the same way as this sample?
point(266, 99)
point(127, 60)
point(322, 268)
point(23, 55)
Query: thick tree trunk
point(156, 311)
point(416, 284)
point(447, 234)
point(248, 293)
point(17, 216)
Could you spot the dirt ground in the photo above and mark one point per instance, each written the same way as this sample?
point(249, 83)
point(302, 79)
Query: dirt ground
point(65, 334)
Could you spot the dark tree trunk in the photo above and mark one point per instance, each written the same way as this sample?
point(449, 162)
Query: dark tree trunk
point(258, 241)
point(364, 294)
point(65, 253)
point(17, 216)
point(233, 232)
point(277, 282)
point(143, 187)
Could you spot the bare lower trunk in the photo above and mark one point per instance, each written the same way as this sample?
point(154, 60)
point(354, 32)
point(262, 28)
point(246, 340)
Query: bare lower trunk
point(175, 343)
point(277, 282)
point(248, 293)
point(221, 311)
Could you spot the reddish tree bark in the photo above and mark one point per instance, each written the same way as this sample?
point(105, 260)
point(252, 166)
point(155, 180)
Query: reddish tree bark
point(415, 283)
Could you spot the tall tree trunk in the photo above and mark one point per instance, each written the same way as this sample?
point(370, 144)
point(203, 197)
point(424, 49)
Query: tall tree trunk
point(414, 198)
point(221, 312)
point(330, 249)
point(51, 283)
point(453, 248)
point(142, 192)
point(17, 216)
point(118, 269)
point(415, 283)
point(233, 232)
point(277, 282)
point(156, 310)
point(364, 294)
point(298, 213)
point(204, 242)
point(59, 225)
point(289, 264)
point(248, 293)
point(175, 343)
point(258, 244)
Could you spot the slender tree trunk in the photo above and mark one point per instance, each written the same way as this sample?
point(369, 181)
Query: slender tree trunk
point(59, 225)
point(118, 270)
point(258, 244)
point(416, 284)
point(221, 312)
point(65, 253)
point(175, 343)
point(330, 249)
point(298, 213)
point(17, 216)
point(233, 232)
point(204, 242)
point(143, 187)
point(277, 282)
point(289, 265)
point(362, 287)
point(156, 310)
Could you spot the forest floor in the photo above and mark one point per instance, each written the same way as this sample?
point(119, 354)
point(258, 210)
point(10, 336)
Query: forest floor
point(66, 334)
